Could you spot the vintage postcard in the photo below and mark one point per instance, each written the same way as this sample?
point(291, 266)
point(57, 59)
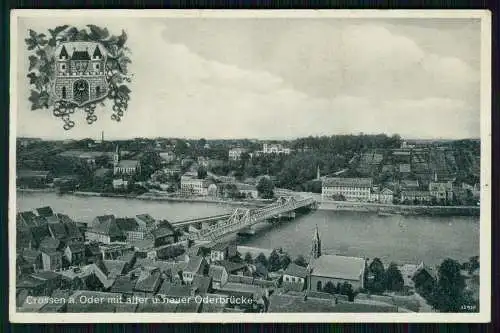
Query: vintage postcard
point(250, 166)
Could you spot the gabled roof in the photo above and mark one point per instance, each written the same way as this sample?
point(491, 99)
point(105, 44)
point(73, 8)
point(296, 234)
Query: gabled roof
point(49, 244)
point(126, 224)
point(149, 284)
point(103, 218)
point(64, 218)
point(232, 267)
point(63, 53)
point(194, 264)
point(58, 230)
point(216, 272)
point(174, 289)
point(165, 229)
point(27, 218)
point(146, 218)
point(114, 268)
point(296, 270)
point(202, 283)
point(123, 284)
point(341, 267)
point(97, 52)
point(52, 219)
point(44, 211)
point(108, 227)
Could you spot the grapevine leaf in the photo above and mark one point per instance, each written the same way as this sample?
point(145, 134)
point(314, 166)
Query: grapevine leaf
point(122, 39)
point(43, 99)
point(34, 63)
point(97, 33)
point(123, 91)
point(82, 35)
point(34, 99)
point(116, 79)
point(71, 34)
point(35, 40)
point(32, 76)
point(57, 30)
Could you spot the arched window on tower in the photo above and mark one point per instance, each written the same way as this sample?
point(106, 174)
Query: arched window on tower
point(64, 92)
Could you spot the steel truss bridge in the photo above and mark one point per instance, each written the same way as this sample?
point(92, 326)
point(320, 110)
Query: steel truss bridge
point(214, 227)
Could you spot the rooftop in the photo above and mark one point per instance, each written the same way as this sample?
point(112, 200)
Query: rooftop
point(348, 182)
point(347, 268)
point(296, 270)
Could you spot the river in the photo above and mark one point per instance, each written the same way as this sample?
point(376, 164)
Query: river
point(403, 239)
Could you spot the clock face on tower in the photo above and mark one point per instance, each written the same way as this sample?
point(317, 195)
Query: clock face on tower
point(81, 91)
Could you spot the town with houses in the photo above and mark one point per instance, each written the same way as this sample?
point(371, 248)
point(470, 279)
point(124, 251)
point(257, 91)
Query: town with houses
point(142, 263)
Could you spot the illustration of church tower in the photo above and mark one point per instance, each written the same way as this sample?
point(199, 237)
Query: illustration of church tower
point(116, 156)
point(316, 245)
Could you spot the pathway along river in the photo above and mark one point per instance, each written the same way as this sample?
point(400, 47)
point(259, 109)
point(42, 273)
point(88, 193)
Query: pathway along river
point(391, 238)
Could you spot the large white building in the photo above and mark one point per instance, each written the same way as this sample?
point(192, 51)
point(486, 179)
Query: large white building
point(235, 153)
point(352, 189)
point(275, 148)
point(191, 185)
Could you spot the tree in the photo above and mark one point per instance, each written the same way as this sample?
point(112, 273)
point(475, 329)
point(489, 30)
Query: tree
point(300, 261)
point(274, 263)
point(285, 261)
point(265, 187)
point(346, 289)
point(248, 258)
point(376, 281)
point(394, 278)
point(261, 259)
point(449, 292)
point(329, 288)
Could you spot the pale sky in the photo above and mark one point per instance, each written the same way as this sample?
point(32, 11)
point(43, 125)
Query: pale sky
point(281, 78)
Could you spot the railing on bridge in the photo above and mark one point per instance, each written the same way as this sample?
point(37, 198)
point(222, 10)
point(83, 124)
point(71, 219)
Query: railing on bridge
point(242, 218)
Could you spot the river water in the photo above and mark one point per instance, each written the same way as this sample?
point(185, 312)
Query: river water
point(403, 239)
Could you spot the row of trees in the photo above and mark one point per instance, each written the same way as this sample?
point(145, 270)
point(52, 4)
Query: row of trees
point(378, 279)
point(278, 259)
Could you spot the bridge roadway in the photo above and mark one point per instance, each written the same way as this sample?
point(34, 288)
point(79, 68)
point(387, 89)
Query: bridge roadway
point(224, 224)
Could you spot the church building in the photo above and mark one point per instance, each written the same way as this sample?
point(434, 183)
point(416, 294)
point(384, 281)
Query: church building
point(324, 268)
point(125, 167)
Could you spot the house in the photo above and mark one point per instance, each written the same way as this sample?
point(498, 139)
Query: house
point(120, 183)
point(336, 269)
point(165, 234)
point(93, 252)
point(100, 219)
point(237, 268)
point(44, 211)
point(411, 196)
point(130, 229)
point(50, 244)
point(196, 265)
point(31, 261)
point(40, 283)
point(32, 178)
point(74, 253)
point(219, 276)
point(408, 184)
point(235, 153)
point(386, 196)
point(145, 222)
point(192, 185)
point(352, 189)
point(203, 284)
point(222, 251)
point(51, 260)
point(167, 156)
point(123, 285)
point(125, 167)
point(248, 191)
point(294, 277)
point(441, 190)
point(270, 148)
point(57, 231)
point(106, 232)
point(26, 219)
point(148, 284)
point(424, 277)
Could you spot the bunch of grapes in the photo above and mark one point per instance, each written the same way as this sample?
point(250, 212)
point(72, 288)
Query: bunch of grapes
point(89, 110)
point(120, 103)
point(63, 110)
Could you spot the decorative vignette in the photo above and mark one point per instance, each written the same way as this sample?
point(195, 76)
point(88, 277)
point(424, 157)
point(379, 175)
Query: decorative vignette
point(73, 69)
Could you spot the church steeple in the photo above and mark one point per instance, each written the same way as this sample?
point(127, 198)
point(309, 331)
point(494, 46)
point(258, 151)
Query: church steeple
point(116, 156)
point(316, 245)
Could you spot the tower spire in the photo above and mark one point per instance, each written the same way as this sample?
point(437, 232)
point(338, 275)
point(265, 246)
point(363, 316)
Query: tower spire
point(316, 244)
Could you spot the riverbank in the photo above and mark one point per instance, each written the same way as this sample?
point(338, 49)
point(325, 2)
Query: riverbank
point(152, 197)
point(390, 209)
